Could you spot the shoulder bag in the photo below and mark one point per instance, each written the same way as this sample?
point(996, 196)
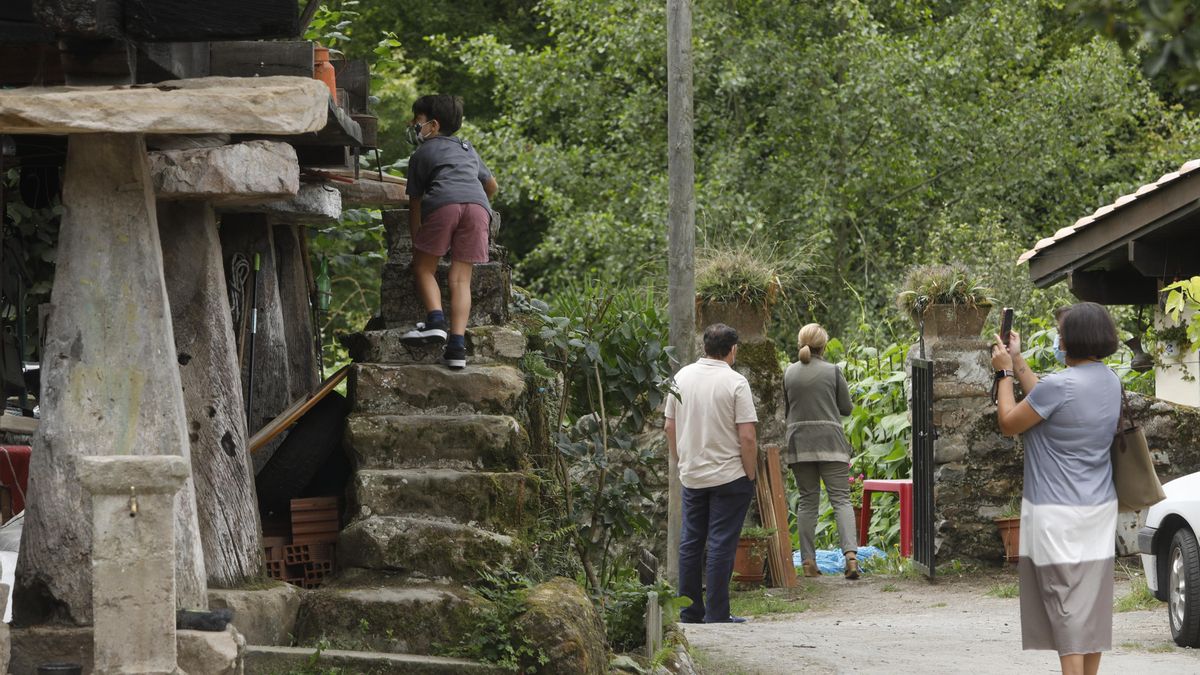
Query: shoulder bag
point(1133, 472)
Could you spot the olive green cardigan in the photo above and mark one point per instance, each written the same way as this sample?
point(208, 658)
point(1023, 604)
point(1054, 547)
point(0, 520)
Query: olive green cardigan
point(816, 397)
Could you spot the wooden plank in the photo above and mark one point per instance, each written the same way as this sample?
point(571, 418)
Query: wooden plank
point(261, 59)
point(1125, 287)
point(18, 425)
point(371, 193)
point(207, 105)
point(782, 538)
point(1163, 261)
point(766, 514)
point(170, 20)
point(314, 503)
point(23, 65)
point(158, 61)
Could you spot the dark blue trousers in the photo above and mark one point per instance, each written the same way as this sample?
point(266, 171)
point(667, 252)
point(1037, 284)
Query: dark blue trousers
point(713, 517)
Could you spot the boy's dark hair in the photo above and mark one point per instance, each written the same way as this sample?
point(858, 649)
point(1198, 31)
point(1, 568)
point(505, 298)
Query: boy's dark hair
point(719, 340)
point(1088, 331)
point(446, 109)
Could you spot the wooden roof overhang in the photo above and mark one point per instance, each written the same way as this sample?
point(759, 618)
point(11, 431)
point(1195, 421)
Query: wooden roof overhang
point(1123, 252)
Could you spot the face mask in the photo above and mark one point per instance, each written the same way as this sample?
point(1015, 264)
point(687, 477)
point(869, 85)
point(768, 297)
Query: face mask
point(413, 134)
point(1059, 354)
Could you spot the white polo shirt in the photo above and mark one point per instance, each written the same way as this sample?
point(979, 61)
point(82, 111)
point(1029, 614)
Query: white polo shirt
point(713, 400)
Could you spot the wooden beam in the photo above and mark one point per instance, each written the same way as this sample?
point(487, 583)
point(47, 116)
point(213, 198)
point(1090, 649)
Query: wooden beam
point(265, 105)
point(171, 20)
point(80, 18)
point(158, 61)
point(242, 173)
point(98, 62)
point(22, 65)
point(1113, 288)
point(18, 425)
point(371, 193)
point(261, 59)
point(1161, 261)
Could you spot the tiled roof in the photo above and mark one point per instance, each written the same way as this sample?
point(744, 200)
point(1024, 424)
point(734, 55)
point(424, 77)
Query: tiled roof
point(1103, 211)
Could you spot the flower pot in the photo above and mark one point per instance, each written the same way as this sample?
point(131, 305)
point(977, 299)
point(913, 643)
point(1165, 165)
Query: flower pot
point(748, 320)
point(750, 561)
point(955, 321)
point(323, 69)
point(1010, 534)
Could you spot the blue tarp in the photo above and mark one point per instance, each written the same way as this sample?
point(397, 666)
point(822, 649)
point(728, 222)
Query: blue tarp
point(831, 561)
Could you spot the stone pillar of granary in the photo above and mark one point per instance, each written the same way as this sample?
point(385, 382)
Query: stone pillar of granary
point(110, 378)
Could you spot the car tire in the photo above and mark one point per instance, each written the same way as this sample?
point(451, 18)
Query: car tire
point(1183, 588)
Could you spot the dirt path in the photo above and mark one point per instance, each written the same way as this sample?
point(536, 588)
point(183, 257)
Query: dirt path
point(890, 625)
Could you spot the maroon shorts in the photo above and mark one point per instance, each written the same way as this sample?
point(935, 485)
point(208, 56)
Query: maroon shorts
point(460, 228)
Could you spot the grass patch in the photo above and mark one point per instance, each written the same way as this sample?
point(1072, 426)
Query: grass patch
point(893, 565)
point(1138, 598)
point(890, 588)
point(1131, 646)
point(762, 601)
point(1004, 590)
point(938, 604)
point(1163, 648)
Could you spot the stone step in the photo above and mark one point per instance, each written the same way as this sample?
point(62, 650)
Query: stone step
point(427, 547)
point(485, 344)
point(438, 441)
point(504, 502)
point(382, 614)
point(491, 291)
point(262, 659)
point(492, 389)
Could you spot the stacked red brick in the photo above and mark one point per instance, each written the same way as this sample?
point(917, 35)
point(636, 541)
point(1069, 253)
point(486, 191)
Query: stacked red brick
point(308, 560)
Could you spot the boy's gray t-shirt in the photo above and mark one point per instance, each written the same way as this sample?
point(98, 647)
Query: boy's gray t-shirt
point(446, 170)
point(1067, 455)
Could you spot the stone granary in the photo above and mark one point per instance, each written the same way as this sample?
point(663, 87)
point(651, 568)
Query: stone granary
point(183, 140)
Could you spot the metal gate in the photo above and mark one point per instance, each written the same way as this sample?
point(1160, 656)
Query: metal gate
point(923, 435)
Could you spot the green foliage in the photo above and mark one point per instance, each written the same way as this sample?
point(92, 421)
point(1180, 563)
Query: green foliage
point(624, 610)
point(30, 246)
point(928, 285)
point(1006, 590)
point(756, 532)
point(607, 349)
point(1165, 32)
point(750, 274)
point(496, 636)
point(355, 248)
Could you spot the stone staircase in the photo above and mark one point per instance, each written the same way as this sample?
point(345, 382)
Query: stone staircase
point(440, 491)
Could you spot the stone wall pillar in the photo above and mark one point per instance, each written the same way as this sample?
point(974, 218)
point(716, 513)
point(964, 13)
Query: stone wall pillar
point(977, 470)
point(133, 560)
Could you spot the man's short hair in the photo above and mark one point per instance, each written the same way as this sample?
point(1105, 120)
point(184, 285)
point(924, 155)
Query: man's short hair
point(719, 340)
point(1088, 332)
point(446, 109)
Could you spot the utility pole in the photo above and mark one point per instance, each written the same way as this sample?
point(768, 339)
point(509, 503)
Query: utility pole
point(681, 230)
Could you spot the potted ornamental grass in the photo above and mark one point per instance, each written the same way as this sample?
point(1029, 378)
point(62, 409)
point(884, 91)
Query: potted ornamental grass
point(951, 299)
point(737, 286)
point(750, 561)
point(1009, 525)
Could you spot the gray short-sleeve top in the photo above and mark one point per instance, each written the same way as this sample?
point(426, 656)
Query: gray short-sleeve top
point(446, 170)
point(1067, 454)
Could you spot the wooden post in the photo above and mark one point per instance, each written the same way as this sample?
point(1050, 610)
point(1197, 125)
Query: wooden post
point(110, 379)
point(226, 506)
point(297, 312)
point(250, 234)
point(681, 237)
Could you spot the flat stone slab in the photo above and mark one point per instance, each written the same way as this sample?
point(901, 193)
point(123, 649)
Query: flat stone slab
point(227, 174)
point(232, 105)
point(366, 192)
point(426, 547)
point(491, 292)
point(485, 344)
point(264, 617)
point(199, 651)
point(386, 617)
point(299, 659)
point(489, 389)
point(436, 441)
point(313, 203)
point(498, 501)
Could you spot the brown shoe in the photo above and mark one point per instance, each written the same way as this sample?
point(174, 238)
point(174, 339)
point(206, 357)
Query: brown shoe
point(810, 568)
point(851, 568)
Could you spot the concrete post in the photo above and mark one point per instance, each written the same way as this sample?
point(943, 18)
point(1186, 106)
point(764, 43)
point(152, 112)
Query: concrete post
point(133, 560)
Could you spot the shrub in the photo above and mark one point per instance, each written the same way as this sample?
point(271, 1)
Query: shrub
point(928, 285)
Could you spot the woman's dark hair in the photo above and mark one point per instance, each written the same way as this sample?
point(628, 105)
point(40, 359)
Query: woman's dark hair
point(719, 340)
point(446, 109)
point(1087, 331)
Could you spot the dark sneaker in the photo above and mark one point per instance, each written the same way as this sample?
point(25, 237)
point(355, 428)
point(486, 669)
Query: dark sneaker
point(425, 334)
point(731, 619)
point(455, 356)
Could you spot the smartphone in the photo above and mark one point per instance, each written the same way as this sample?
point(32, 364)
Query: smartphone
point(1006, 319)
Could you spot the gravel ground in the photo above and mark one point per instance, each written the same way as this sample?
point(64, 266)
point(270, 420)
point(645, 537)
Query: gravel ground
point(890, 625)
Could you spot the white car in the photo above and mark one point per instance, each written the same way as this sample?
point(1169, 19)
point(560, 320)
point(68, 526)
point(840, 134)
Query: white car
point(1171, 556)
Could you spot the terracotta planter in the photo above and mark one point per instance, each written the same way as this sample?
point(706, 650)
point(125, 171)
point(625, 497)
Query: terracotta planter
point(955, 321)
point(750, 561)
point(1010, 534)
point(748, 320)
point(323, 69)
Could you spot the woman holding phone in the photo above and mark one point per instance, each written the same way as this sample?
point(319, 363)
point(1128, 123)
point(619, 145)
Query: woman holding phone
point(1069, 507)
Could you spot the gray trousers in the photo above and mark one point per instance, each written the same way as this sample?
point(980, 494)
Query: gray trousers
point(836, 476)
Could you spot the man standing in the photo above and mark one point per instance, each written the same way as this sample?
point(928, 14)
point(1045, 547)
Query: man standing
point(711, 434)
